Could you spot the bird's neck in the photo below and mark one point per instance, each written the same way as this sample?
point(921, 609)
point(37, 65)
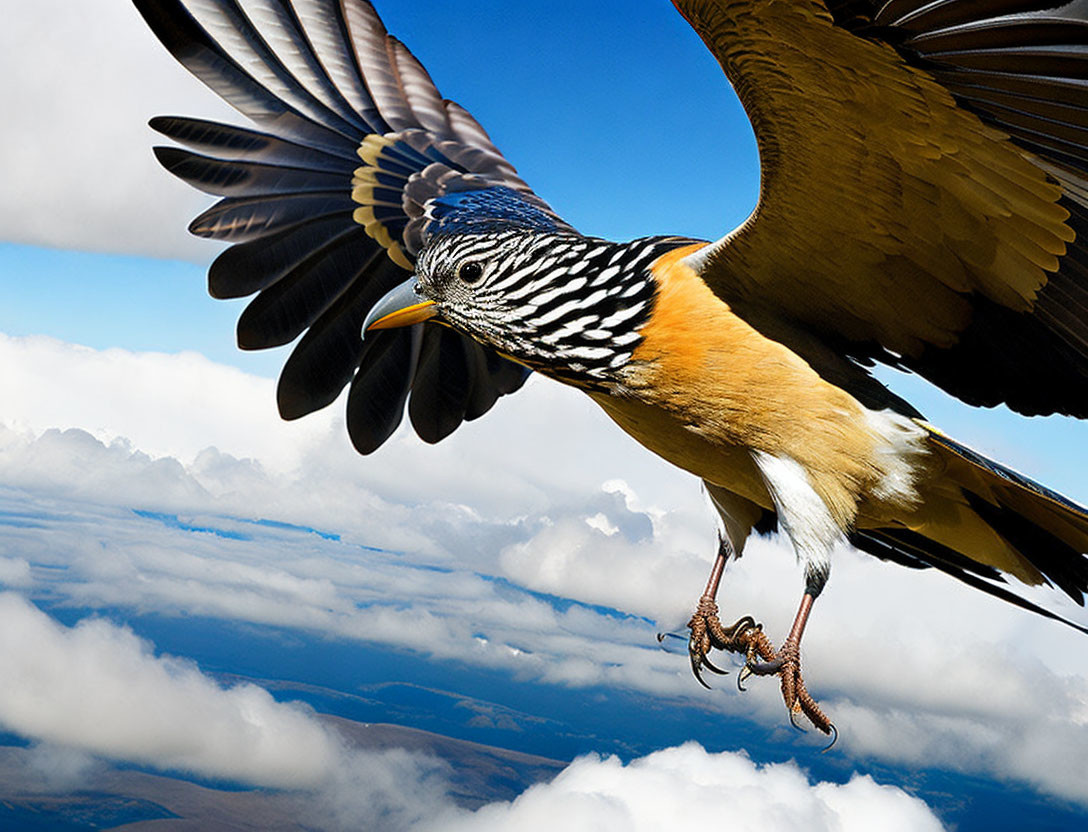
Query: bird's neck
point(585, 322)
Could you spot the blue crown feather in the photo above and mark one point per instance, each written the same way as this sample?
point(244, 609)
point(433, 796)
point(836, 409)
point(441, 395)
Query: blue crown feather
point(486, 210)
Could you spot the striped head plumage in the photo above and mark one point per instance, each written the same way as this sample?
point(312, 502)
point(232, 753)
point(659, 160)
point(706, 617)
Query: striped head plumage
point(567, 305)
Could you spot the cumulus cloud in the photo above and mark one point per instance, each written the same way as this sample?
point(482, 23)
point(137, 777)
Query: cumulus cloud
point(14, 572)
point(647, 563)
point(706, 790)
point(166, 405)
point(97, 689)
point(914, 668)
point(75, 157)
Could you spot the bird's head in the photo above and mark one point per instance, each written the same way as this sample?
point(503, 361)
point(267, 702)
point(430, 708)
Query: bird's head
point(566, 305)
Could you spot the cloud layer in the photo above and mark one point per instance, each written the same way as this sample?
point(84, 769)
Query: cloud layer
point(950, 680)
point(96, 688)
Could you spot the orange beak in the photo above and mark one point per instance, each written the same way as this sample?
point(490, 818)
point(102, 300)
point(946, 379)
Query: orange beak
point(402, 306)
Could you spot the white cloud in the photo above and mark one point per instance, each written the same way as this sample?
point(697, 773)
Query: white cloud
point(724, 790)
point(166, 405)
point(568, 557)
point(15, 572)
point(97, 689)
point(80, 82)
point(914, 667)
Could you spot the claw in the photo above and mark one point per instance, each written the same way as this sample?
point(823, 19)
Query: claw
point(834, 737)
point(697, 669)
point(713, 668)
point(793, 720)
point(742, 677)
point(765, 668)
point(698, 662)
point(673, 643)
point(742, 625)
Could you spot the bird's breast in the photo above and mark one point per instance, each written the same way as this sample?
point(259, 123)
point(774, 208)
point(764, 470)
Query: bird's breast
point(704, 389)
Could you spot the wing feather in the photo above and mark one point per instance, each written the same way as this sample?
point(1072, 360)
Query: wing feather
point(327, 356)
point(288, 306)
point(354, 140)
point(925, 166)
point(380, 388)
point(440, 395)
point(246, 268)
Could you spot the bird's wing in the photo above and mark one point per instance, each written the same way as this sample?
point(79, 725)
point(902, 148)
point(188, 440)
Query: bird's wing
point(924, 197)
point(326, 203)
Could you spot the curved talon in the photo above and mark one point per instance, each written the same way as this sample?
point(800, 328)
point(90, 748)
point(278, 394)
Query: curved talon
point(707, 633)
point(793, 721)
point(713, 668)
point(674, 643)
point(696, 668)
point(770, 668)
point(743, 625)
point(698, 662)
point(742, 677)
point(834, 737)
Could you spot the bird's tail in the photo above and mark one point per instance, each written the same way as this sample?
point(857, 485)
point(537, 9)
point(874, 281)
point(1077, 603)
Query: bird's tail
point(980, 520)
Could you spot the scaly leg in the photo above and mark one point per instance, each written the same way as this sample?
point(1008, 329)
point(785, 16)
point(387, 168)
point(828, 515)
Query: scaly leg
point(707, 631)
point(747, 637)
point(787, 664)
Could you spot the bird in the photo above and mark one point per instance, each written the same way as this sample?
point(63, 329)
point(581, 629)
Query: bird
point(923, 205)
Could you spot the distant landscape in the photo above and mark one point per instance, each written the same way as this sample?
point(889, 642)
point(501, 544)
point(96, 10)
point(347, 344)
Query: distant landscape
point(497, 734)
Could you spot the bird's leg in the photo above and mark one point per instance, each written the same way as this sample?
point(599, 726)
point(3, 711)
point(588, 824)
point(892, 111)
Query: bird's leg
point(747, 637)
point(787, 664)
point(708, 632)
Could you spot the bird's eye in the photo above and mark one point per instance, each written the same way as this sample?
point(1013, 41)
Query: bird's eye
point(471, 272)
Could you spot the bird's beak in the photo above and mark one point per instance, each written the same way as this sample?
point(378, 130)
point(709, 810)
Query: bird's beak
point(401, 306)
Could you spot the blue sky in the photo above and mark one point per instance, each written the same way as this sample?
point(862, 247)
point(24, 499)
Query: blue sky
point(623, 122)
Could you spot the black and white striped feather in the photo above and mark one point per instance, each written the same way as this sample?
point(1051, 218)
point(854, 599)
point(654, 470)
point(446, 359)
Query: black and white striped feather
point(567, 305)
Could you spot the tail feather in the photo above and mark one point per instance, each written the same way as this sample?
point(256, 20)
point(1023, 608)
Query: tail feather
point(980, 520)
point(1078, 513)
point(881, 544)
point(1046, 528)
point(1063, 565)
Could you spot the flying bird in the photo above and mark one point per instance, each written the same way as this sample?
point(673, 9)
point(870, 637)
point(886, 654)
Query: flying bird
point(923, 204)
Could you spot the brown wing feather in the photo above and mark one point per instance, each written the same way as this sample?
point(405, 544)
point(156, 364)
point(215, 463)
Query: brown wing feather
point(893, 223)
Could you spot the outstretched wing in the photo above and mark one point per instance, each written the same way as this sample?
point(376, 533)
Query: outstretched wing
point(924, 196)
point(326, 202)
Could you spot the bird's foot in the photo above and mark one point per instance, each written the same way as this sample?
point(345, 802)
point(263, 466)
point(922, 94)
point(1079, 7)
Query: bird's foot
point(787, 665)
point(707, 633)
